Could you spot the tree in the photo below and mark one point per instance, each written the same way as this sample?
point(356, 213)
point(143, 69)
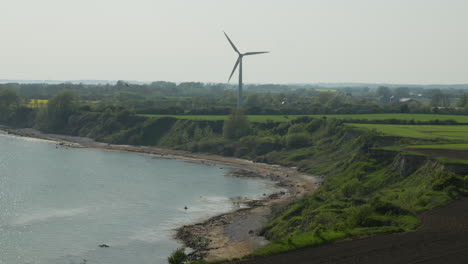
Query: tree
point(323, 97)
point(236, 126)
point(10, 101)
point(440, 99)
point(404, 108)
point(253, 100)
point(401, 92)
point(334, 102)
point(463, 100)
point(178, 256)
point(59, 109)
point(384, 94)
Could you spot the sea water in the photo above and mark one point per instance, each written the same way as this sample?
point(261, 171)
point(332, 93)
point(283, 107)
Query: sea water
point(57, 204)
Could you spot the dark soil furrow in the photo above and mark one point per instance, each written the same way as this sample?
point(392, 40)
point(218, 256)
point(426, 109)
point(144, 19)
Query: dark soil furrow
point(442, 238)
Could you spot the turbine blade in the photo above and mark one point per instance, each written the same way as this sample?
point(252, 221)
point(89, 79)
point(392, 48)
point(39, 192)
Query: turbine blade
point(232, 44)
point(255, 53)
point(234, 69)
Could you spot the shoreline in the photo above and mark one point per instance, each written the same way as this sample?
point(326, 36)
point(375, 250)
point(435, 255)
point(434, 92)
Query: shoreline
point(226, 236)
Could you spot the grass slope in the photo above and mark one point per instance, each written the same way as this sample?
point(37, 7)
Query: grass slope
point(365, 195)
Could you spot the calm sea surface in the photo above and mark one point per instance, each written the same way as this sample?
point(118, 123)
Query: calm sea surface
point(57, 205)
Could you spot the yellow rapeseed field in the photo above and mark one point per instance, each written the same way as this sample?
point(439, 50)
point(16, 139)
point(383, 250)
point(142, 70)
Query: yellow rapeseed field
point(37, 103)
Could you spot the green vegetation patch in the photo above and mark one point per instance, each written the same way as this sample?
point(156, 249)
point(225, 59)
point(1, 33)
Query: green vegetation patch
point(443, 146)
point(448, 132)
point(191, 117)
point(446, 160)
point(364, 196)
point(283, 118)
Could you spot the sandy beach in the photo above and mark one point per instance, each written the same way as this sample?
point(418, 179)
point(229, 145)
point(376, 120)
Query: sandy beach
point(226, 236)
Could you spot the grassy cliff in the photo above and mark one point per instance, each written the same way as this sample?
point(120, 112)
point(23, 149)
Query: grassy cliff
point(371, 191)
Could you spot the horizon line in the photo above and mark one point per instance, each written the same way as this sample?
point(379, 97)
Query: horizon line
point(77, 81)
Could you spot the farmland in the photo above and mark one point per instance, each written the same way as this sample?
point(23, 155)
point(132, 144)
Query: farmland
point(459, 133)
point(443, 146)
point(40, 103)
point(282, 118)
point(37, 103)
point(450, 142)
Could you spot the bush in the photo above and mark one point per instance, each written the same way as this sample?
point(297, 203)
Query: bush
point(383, 207)
point(236, 126)
point(444, 180)
point(354, 187)
point(297, 140)
point(178, 256)
point(296, 128)
point(261, 145)
point(313, 125)
point(210, 145)
point(360, 216)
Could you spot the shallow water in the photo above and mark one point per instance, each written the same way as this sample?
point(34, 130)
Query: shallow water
point(57, 205)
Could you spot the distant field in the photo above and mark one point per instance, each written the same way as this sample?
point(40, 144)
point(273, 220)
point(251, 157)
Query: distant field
point(443, 146)
point(281, 118)
point(325, 90)
point(37, 103)
point(420, 131)
point(191, 117)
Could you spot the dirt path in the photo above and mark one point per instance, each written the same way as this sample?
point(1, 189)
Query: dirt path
point(226, 236)
point(442, 238)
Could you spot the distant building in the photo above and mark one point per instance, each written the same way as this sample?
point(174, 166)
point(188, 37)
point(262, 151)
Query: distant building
point(408, 100)
point(437, 108)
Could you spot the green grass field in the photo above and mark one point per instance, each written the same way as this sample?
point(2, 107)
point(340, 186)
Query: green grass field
point(282, 118)
point(459, 133)
point(443, 146)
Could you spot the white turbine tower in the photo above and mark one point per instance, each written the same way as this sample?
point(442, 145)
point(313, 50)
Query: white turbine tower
point(239, 63)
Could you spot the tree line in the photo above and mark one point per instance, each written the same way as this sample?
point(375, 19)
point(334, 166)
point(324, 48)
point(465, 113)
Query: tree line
point(196, 98)
point(66, 107)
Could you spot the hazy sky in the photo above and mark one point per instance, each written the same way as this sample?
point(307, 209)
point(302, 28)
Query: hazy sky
point(391, 41)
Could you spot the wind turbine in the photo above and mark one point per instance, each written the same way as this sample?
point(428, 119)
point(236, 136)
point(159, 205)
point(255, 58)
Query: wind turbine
point(239, 63)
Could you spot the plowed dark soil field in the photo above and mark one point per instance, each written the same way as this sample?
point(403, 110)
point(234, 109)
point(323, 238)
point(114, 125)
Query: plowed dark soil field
point(442, 238)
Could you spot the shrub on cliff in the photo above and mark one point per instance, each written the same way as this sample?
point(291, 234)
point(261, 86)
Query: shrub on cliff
point(178, 256)
point(236, 126)
point(297, 140)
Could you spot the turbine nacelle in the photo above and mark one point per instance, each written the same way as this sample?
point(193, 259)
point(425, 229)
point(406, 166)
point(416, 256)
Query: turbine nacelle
point(239, 59)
